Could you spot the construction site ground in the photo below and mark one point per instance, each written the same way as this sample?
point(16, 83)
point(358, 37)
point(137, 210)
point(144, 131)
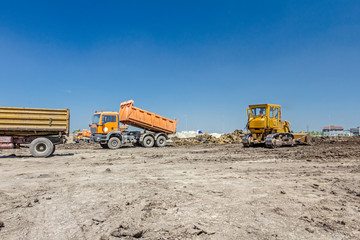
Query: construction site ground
point(201, 191)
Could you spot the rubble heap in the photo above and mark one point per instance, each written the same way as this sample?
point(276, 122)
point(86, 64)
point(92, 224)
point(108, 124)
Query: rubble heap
point(206, 138)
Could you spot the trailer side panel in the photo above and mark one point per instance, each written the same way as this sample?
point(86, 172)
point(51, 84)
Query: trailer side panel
point(31, 121)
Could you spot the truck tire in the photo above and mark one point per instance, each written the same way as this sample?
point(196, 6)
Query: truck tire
point(148, 141)
point(160, 141)
point(53, 151)
point(104, 145)
point(41, 147)
point(114, 143)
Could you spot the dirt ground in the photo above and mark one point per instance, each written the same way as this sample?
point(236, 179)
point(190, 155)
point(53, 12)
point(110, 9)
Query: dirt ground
point(184, 192)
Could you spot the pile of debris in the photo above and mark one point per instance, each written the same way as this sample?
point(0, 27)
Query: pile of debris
point(206, 138)
point(235, 137)
point(199, 139)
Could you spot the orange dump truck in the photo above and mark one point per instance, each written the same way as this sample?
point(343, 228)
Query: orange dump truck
point(107, 130)
point(83, 136)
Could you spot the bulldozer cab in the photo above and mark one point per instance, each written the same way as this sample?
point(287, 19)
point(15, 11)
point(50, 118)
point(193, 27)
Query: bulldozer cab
point(264, 116)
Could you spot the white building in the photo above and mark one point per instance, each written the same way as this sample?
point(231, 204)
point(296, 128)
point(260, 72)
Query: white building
point(355, 131)
point(333, 131)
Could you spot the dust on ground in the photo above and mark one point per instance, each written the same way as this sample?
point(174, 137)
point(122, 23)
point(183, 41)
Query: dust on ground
point(206, 191)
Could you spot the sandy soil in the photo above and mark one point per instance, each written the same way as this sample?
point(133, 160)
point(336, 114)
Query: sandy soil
point(185, 192)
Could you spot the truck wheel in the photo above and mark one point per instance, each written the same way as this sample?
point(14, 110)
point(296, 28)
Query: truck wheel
point(53, 151)
point(160, 141)
point(41, 147)
point(148, 141)
point(104, 145)
point(114, 143)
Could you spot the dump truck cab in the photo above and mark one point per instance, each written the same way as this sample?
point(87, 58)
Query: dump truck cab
point(105, 125)
point(77, 137)
point(104, 122)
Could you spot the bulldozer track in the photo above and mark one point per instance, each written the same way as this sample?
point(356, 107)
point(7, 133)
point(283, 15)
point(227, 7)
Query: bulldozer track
point(279, 139)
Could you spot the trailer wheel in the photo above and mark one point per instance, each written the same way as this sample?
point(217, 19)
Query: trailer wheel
point(148, 141)
point(160, 141)
point(114, 143)
point(53, 150)
point(41, 147)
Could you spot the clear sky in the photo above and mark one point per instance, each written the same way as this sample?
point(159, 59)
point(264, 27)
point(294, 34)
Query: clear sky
point(201, 62)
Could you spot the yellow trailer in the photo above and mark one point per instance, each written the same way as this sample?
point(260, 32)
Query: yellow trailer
point(41, 128)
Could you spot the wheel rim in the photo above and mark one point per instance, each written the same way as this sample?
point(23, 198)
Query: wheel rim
point(148, 141)
point(161, 141)
point(114, 143)
point(41, 147)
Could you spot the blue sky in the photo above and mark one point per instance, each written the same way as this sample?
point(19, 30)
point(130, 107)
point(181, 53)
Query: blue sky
point(202, 62)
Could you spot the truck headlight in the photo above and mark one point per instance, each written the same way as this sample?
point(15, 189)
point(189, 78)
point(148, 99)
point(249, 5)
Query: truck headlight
point(105, 129)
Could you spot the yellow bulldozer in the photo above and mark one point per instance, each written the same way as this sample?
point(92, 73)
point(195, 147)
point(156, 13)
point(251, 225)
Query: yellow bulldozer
point(265, 127)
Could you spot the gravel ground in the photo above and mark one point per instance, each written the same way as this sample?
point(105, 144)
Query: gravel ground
point(183, 192)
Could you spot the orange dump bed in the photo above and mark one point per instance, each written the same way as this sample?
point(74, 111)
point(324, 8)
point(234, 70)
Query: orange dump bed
point(86, 133)
point(139, 118)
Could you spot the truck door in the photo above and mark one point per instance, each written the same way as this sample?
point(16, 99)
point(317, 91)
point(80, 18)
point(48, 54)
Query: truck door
point(274, 121)
point(109, 123)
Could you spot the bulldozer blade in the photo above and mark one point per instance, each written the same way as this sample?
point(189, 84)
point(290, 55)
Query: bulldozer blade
point(302, 138)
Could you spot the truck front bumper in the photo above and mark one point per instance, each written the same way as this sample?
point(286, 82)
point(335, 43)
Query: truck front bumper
point(95, 137)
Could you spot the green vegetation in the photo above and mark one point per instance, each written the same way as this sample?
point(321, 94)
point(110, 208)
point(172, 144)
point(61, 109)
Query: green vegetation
point(315, 133)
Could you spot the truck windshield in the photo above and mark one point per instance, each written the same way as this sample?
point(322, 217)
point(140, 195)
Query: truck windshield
point(259, 111)
point(96, 119)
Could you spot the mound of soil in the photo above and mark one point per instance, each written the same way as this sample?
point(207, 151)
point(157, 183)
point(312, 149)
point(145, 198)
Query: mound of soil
point(205, 138)
point(335, 140)
point(235, 137)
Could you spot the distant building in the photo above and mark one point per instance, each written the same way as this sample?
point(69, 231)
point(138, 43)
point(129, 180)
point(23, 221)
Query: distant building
point(333, 131)
point(347, 133)
point(355, 131)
